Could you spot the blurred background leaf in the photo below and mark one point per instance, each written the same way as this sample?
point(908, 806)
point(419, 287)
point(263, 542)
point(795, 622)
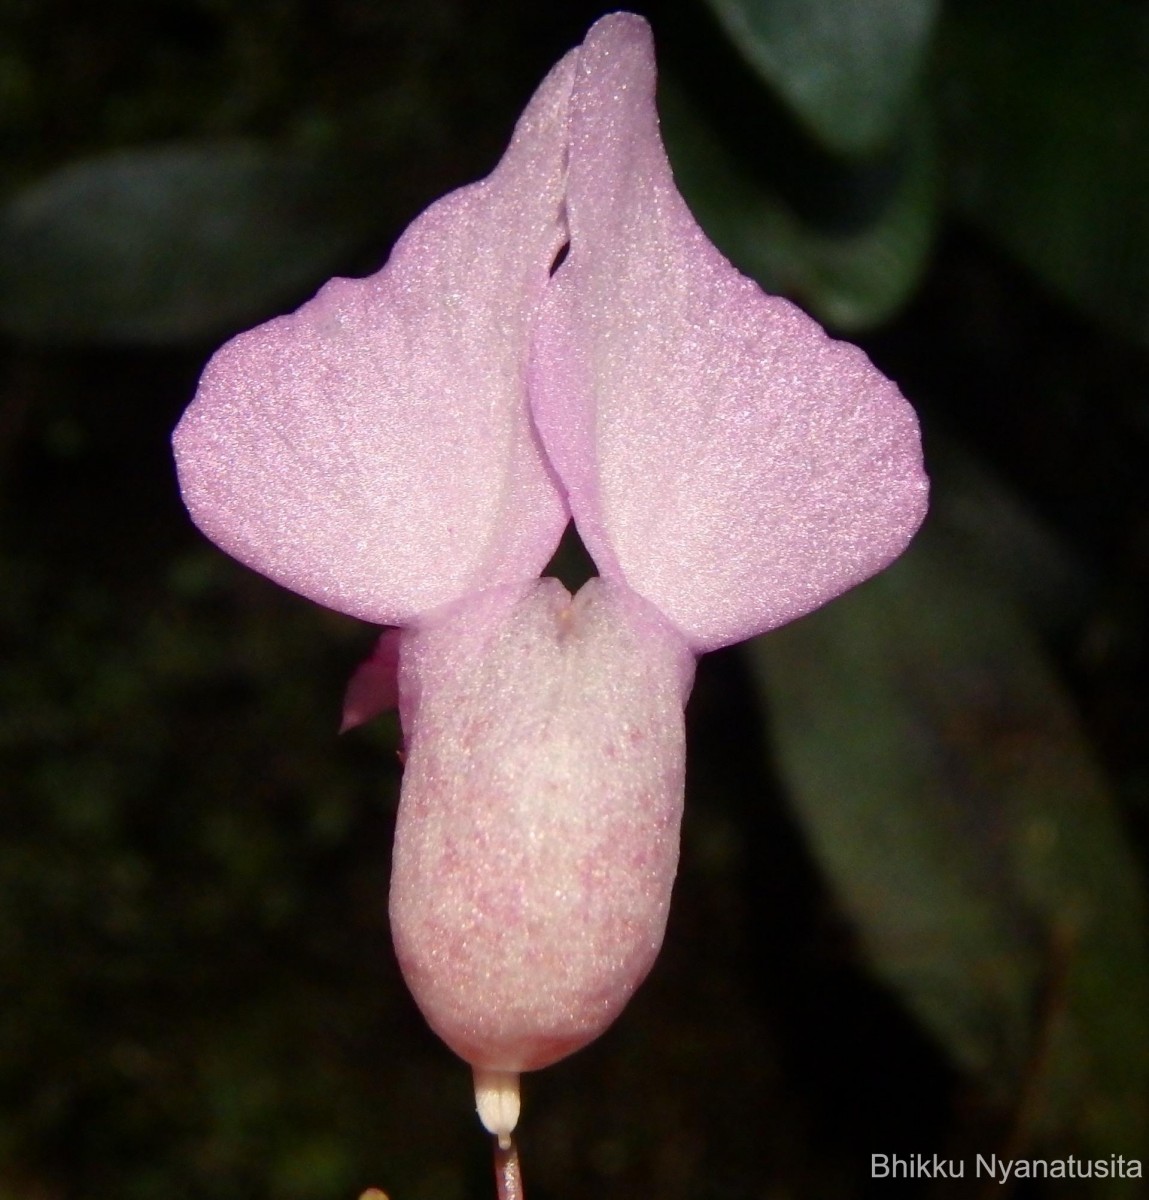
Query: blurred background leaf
point(1047, 114)
point(847, 67)
point(173, 243)
point(950, 794)
point(851, 278)
point(1000, 537)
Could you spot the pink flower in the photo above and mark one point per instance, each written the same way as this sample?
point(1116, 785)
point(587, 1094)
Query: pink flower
point(408, 448)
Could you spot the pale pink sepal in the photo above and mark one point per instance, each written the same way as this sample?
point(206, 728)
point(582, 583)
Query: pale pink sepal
point(537, 836)
point(373, 451)
point(722, 455)
point(374, 685)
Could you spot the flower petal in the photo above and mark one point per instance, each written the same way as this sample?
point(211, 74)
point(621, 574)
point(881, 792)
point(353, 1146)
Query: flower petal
point(373, 451)
point(537, 836)
point(374, 685)
point(721, 454)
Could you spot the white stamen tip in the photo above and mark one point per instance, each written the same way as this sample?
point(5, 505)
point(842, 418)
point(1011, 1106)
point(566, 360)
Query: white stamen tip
point(497, 1099)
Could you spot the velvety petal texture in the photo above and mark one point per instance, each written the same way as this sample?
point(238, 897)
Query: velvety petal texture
point(537, 838)
point(721, 454)
point(373, 450)
point(408, 448)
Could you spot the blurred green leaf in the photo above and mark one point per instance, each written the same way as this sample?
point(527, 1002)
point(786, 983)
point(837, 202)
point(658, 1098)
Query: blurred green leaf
point(852, 279)
point(949, 794)
point(847, 67)
point(1004, 538)
point(1047, 112)
point(171, 243)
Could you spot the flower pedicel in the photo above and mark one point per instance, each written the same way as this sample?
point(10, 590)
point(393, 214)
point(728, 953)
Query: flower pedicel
point(409, 447)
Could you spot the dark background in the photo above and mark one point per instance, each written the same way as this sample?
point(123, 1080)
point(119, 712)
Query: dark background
point(910, 914)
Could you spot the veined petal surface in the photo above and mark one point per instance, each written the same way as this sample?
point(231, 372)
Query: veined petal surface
point(373, 451)
point(722, 455)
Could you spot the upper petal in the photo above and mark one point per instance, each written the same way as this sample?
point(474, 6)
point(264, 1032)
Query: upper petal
point(374, 450)
point(721, 454)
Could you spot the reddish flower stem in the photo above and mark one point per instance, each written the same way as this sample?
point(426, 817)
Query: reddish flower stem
point(508, 1177)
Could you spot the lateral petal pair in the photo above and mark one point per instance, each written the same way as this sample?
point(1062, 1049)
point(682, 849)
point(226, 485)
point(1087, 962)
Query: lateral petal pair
point(404, 440)
point(408, 448)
